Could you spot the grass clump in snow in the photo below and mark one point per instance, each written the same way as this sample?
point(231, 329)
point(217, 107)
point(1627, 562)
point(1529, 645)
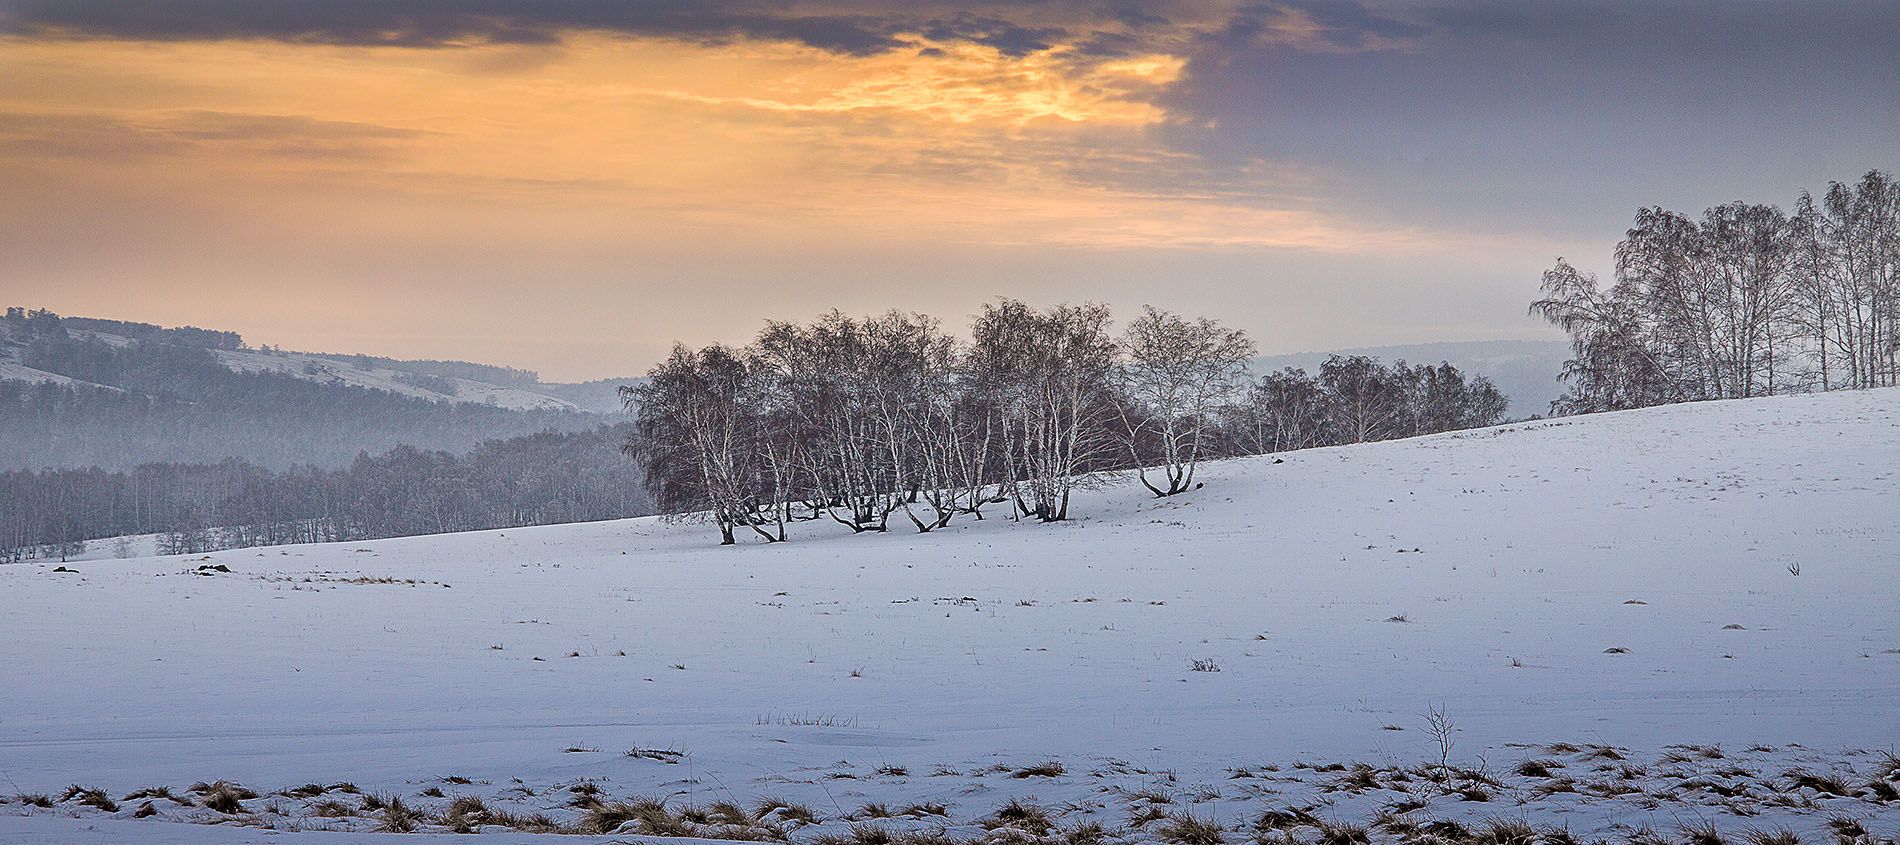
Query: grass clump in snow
point(1770, 836)
point(1044, 769)
point(1341, 833)
point(1536, 768)
point(1188, 829)
point(1083, 833)
point(1702, 832)
point(332, 810)
point(1503, 831)
point(647, 816)
point(782, 810)
point(1826, 784)
point(1283, 821)
point(155, 792)
point(1847, 829)
point(1360, 778)
point(1019, 815)
point(398, 817)
point(89, 797)
point(466, 814)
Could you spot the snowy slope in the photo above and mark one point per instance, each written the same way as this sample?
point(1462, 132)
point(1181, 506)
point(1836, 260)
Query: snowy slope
point(1515, 556)
point(329, 370)
point(15, 371)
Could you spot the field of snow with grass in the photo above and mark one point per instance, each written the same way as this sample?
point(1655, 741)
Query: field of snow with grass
point(1650, 626)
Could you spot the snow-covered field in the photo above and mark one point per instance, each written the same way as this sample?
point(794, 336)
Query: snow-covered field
point(1341, 593)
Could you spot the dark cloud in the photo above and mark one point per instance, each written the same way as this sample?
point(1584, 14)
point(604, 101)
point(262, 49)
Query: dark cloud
point(439, 23)
point(1553, 116)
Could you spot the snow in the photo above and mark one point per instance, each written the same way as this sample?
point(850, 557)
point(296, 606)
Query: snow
point(330, 370)
point(1515, 555)
point(14, 371)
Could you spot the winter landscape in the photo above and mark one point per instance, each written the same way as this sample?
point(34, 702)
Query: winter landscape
point(857, 422)
point(1604, 608)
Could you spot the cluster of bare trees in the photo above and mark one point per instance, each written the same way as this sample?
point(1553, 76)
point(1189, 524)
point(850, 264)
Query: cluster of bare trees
point(1747, 301)
point(860, 419)
point(1356, 399)
point(857, 420)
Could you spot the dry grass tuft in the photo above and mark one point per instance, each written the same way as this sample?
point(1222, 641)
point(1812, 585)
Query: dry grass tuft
point(1770, 836)
point(1702, 833)
point(1281, 821)
point(89, 797)
point(333, 810)
point(1826, 784)
point(1082, 833)
point(466, 814)
point(1044, 769)
point(1018, 815)
point(648, 816)
point(775, 808)
point(398, 817)
point(1340, 833)
point(1502, 831)
point(1188, 829)
point(1536, 768)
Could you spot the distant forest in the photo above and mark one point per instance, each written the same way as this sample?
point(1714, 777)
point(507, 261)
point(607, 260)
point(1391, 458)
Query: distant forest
point(162, 438)
point(539, 479)
point(166, 398)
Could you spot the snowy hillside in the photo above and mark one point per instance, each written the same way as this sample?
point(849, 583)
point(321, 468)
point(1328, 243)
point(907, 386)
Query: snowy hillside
point(1591, 595)
point(511, 389)
point(439, 388)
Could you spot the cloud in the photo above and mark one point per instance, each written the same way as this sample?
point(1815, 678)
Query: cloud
point(855, 29)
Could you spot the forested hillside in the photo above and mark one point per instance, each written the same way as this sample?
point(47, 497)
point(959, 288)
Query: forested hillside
point(538, 479)
point(79, 392)
point(115, 428)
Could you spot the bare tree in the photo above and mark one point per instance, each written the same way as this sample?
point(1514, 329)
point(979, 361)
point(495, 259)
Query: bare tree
point(1284, 411)
point(1053, 370)
point(1176, 377)
point(1848, 273)
point(1366, 402)
point(695, 435)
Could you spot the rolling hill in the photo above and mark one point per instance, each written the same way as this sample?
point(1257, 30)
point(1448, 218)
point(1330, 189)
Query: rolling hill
point(1648, 619)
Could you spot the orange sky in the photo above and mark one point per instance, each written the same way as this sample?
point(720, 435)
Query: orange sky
point(575, 203)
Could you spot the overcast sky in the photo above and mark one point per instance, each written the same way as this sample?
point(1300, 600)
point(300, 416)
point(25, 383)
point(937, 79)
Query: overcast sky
point(571, 185)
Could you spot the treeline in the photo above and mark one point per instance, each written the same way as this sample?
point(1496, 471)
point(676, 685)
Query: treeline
point(539, 479)
point(1356, 399)
point(1747, 301)
point(166, 398)
point(859, 419)
point(44, 322)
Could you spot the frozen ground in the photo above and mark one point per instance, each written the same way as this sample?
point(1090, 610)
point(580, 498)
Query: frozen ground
point(836, 670)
